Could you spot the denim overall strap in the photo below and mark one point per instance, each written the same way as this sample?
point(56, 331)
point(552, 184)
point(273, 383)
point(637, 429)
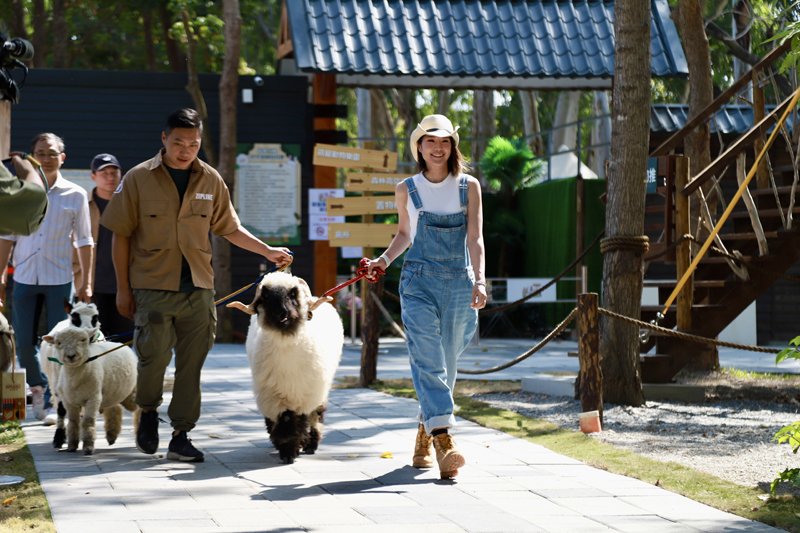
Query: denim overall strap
point(413, 192)
point(463, 196)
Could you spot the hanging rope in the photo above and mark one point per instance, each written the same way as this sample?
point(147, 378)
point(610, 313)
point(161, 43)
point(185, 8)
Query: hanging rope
point(550, 336)
point(639, 244)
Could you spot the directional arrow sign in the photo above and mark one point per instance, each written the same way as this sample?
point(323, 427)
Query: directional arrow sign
point(330, 155)
point(375, 182)
point(369, 235)
point(363, 205)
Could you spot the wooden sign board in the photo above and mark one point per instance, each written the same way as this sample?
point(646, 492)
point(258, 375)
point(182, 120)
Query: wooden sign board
point(331, 155)
point(369, 235)
point(361, 205)
point(374, 182)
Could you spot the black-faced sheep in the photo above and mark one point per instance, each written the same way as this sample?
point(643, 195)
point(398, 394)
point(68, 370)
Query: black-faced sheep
point(294, 345)
point(81, 315)
point(94, 385)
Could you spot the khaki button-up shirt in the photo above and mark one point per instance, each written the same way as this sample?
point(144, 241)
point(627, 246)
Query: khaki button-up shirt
point(146, 208)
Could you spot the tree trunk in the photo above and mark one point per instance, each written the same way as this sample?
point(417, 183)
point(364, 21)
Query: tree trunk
point(566, 113)
point(149, 46)
point(382, 119)
point(61, 43)
point(228, 92)
point(622, 269)
point(483, 126)
point(530, 121)
point(403, 100)
point(701, 94)
point(39, 38)
point(177, 60)
point(193, 88)
point(444, 102)
point(742, 16)
point(601, 133)
point(697, 143)
point(17, 25)
point(370, 334)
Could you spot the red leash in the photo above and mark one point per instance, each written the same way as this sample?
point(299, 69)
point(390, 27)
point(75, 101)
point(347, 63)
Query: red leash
point(362, 272)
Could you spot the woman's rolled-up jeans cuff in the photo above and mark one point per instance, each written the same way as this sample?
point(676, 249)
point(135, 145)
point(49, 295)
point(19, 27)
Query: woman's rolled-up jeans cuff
point(441, 421)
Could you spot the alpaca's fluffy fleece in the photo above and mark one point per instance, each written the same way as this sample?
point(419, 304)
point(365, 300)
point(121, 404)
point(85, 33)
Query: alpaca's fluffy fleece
point(293, 368)
point(101, 384)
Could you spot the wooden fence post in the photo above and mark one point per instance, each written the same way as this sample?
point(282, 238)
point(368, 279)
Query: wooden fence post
point(684, 250)
point(591, 377)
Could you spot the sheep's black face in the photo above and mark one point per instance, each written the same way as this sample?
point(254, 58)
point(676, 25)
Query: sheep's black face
point(279, 308)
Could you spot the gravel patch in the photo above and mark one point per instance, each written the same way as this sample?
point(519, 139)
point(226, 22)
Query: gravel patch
point(731, 439)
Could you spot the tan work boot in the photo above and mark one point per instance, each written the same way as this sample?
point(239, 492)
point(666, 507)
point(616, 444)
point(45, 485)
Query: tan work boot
point(448, 456)
point(423, 450)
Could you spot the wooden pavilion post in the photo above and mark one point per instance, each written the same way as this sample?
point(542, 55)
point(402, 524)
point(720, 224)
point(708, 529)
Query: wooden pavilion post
point(684, 251)
point(324, 89)
point(591, 377)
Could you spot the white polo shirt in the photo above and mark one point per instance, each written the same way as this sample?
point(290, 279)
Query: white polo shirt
point(45, 257)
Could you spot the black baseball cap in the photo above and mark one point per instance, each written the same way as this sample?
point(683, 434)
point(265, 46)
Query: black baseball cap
point(102, 161)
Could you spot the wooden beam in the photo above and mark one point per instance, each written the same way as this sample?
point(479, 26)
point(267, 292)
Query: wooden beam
point(364, 205)
point(684, 250)
point(325, 256)
point(361, 234)
point(285, 46)
point(372, 181)
point(734, 149)
point(721, 100)
point(591, 378)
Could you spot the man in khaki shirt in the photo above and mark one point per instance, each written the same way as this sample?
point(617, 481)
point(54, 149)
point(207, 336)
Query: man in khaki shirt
point(161, 214)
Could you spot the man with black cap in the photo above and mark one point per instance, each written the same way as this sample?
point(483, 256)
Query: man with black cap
point(107, 174)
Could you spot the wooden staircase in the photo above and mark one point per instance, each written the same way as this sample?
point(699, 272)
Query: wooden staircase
point(719, 296)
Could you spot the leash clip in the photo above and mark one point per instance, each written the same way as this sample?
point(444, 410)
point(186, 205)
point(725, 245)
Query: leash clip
point(644, 337)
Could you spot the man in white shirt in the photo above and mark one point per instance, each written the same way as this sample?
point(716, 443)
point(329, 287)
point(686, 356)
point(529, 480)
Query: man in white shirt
point(43, 264)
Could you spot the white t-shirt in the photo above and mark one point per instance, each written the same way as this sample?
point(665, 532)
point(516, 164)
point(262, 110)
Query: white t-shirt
point(437, 198)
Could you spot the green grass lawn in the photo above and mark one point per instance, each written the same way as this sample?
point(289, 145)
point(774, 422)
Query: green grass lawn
point(23, 507)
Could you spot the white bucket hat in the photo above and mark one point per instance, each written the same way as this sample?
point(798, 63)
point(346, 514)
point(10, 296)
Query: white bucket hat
point(435, 125)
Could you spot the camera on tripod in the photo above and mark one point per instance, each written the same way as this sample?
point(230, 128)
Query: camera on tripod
point(13, 53)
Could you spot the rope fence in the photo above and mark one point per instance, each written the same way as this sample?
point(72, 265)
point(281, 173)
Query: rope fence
point(644, 325)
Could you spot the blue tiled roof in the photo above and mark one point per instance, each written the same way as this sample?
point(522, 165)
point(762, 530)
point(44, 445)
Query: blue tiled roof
point(490, 39)
point(733, 119)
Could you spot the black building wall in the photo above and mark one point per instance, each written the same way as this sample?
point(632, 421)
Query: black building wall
point(123, 113)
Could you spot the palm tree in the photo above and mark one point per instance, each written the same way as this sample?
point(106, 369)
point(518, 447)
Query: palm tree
point(508, 166)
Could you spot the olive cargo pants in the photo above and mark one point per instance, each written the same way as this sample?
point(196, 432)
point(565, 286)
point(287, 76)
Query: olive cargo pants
point(185, 321)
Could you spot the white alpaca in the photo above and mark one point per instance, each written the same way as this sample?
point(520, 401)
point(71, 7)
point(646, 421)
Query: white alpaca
point(294, 345)
point(102, 383)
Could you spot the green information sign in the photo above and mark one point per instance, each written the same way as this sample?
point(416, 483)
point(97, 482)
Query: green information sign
point(268, 191)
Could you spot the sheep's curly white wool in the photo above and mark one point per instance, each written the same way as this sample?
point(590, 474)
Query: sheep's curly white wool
point(81, 315)
point(295, 372)
point(102, 384)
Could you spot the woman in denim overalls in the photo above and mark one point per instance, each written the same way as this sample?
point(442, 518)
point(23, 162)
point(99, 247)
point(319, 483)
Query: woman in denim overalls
point(442, 285)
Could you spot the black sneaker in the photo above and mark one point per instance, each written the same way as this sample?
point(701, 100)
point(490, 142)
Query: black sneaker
point(181, 449)
point(147, 435)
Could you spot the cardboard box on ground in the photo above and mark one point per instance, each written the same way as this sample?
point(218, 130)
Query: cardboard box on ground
point(12, 383)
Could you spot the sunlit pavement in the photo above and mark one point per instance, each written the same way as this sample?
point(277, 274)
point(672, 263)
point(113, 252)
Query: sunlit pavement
point(360, 479)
